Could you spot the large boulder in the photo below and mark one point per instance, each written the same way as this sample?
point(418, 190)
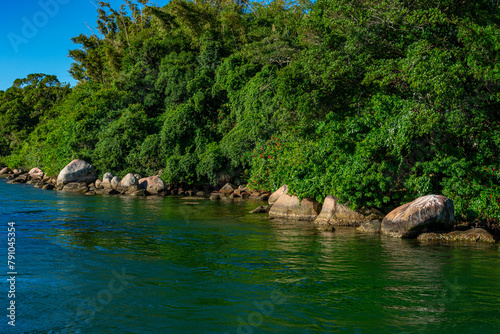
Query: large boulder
point(290, 207)
point(472, 235)
point(36, 173)
point(115, 181)
point(277, 194)
point(106, 181)
point(5, 170)
point(77, 171)
point(128, 181)
point(334, 213)
point(152, 184)
point(427, 213)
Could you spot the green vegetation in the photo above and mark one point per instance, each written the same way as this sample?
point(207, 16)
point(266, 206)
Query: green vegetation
point(374, 101)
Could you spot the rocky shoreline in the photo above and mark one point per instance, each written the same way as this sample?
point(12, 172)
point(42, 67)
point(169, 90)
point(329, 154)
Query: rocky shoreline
point(428, 218)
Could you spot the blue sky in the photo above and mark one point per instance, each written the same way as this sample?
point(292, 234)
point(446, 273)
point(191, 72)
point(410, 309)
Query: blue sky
point(35, 36)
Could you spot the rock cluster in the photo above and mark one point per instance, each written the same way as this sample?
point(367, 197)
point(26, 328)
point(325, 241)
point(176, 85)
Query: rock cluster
point(229, 192)
point(427, 218)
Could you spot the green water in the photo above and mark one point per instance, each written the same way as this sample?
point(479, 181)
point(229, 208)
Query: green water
point(166, 265)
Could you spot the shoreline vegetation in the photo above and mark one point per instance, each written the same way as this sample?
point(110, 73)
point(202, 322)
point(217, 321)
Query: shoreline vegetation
point(358, 107)
point(428, 218)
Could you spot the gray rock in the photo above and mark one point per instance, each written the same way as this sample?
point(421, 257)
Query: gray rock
point(128, 181)
point(77, 171)
point(115, 181)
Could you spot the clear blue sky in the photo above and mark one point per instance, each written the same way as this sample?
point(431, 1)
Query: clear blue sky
point(35, 38)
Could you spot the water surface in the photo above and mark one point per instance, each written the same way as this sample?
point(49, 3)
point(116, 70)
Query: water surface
point(210, 267)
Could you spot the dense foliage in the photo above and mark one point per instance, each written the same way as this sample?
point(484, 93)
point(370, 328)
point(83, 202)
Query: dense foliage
point(374, 101)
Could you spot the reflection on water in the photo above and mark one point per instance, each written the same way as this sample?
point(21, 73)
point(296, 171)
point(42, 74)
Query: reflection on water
point(213, 268)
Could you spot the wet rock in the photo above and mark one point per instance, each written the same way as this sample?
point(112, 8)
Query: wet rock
point(90, 193)
point(425, 214)
point(74, 187)
point(48, 187)
point(335, 214)
point(261, 209)
point(77, 171)
point(259, 197)
point(20, 179)
point(39, 184)
point(290, 207)
point(215, 197)
point(106, 191)
point(472, 235)
point(138, 193)
point(369, 227)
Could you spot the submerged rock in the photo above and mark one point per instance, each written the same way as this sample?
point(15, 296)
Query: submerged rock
point(431, 212)
point(48, 187)
point(77, 171)
point(80, 187)
point(369, 227)
point(261, 209)
point(472, 235)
